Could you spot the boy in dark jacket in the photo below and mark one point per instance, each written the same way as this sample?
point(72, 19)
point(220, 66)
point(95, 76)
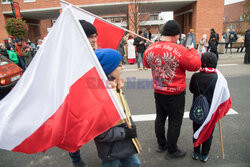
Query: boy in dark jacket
point(203, 78)
point(117, 144)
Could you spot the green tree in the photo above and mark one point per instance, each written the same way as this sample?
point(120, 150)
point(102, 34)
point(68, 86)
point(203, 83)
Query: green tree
point(246, 11)
point(16, 27)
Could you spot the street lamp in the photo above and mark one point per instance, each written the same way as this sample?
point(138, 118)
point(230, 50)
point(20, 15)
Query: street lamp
point(12, 7)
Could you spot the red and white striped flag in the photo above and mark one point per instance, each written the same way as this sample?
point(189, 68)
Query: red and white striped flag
point(221, 103)
point(55, 103)
point(109, 35)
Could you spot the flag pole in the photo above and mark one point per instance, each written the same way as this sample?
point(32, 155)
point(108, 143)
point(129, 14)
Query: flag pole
point(221, 140)
point(128, 115)
point(100, 18)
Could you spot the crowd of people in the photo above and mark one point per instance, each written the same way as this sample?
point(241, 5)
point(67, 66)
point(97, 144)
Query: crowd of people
point(133, 48)
point(19, 51)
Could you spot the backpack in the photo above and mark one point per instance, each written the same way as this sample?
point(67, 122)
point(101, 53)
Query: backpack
point(231, 36)
point(200, 107)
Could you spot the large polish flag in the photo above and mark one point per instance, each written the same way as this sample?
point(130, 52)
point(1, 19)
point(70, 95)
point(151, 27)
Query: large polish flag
point(109, 35)
point(54, 104)
point(221, 103)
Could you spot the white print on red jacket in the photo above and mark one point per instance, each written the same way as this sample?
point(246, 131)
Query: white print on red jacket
point(162, 73)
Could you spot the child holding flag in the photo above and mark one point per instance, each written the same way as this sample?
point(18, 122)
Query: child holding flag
point(118, 144)
point(204, 78)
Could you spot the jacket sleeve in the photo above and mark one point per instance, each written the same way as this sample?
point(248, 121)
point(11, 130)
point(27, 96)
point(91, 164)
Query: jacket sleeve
point(191, 60)
point(144, 61)
point(192, 83)
point(113, 134)
point(136, 42)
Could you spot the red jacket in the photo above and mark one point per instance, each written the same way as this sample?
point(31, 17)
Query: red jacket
point(169, 62)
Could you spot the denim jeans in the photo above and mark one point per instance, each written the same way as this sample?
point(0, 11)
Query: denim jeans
point(76, 157)
point(139, 59)
point(131, 161)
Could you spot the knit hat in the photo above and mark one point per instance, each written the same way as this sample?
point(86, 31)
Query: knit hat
point(88, 28)
point(209, 59)
point(171, 28)
point(109, 59)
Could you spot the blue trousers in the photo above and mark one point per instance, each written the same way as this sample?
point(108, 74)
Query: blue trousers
point(139, 59)
point(131, 161)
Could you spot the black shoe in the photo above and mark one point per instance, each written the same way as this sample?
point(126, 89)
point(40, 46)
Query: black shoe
point(176, 154)
point(80, 164)
point(161, 149)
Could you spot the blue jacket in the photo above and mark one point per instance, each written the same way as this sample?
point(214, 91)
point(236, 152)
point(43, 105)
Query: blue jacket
point(233, 37)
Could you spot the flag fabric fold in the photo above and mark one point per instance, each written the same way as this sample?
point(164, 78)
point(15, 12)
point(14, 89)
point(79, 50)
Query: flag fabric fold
point(109, 35)
point(221, 103)
point(55, 102)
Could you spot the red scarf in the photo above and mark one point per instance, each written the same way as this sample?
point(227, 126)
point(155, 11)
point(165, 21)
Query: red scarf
point(208, 70)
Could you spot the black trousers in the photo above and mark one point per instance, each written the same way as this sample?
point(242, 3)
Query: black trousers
point(171, 106)
point(206, 145)
point(247, 56)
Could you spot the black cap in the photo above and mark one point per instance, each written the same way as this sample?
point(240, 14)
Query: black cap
point(171, 28)
point(88, 28)
point(209, 59)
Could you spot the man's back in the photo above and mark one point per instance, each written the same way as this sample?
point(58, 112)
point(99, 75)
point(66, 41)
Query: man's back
point(168, 62)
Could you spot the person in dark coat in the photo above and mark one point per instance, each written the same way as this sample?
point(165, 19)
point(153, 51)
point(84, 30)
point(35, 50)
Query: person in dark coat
point(213, 33)
point(247, 46)
point(213, 44)
point(204, 77)
point(3, 51)
point(140, 48)
point(121, 50)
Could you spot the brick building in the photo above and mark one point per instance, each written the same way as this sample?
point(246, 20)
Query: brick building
point(233, 18)
point(201, 15)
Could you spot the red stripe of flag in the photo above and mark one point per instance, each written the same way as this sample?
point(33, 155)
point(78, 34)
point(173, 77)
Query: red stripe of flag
point(220, 112)
point(85, 113)
point(109, 36)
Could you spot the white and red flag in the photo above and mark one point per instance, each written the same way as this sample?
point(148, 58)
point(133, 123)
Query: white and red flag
point(55, 102)
point(221, 103)
point(109, 35)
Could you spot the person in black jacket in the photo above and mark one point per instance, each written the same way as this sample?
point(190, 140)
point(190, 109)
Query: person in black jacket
point(213, 44)
point(3, 51)
point(247, 46)
point(140, 48)
point(204, 77)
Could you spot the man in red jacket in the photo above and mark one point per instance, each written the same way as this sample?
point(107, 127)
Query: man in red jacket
point(169, 62)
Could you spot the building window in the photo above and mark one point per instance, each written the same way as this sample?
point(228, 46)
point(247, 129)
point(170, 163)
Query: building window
point(5, 1)
point(153, 17)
